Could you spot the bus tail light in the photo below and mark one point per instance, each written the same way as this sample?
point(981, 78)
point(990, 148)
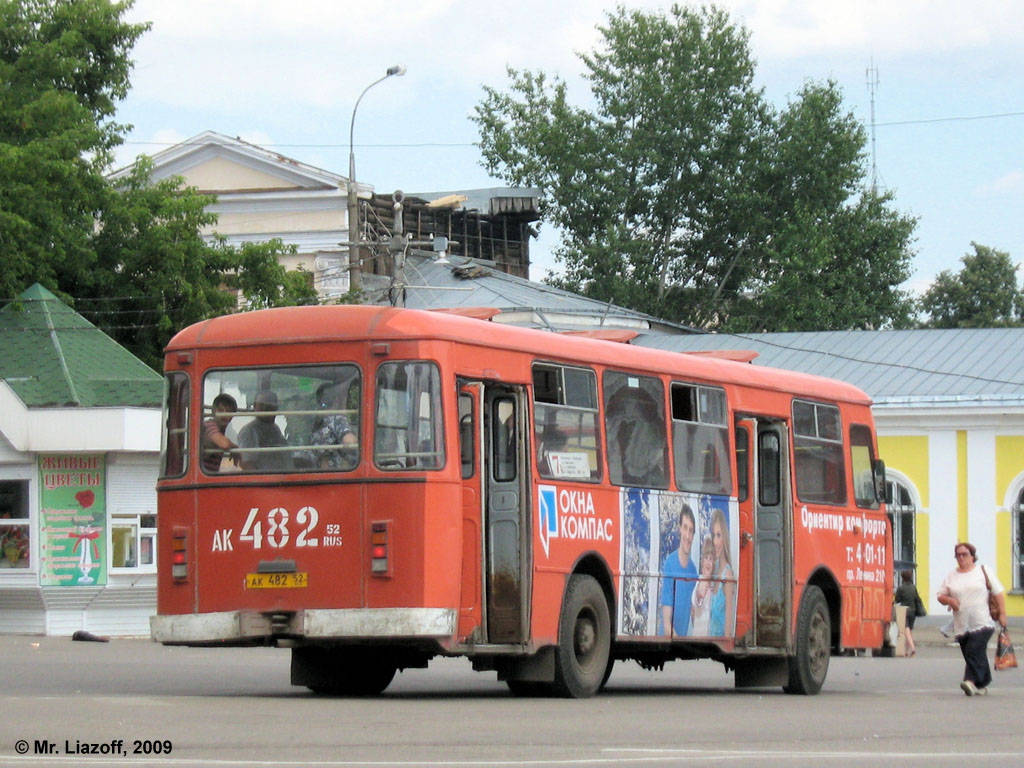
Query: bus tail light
point(380, 563)
point(179, 554)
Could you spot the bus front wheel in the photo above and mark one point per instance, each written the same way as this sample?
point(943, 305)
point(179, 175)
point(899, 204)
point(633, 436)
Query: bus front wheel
point(808, 668)
point(584, 639)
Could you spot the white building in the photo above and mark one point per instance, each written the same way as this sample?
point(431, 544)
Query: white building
point(79, 452)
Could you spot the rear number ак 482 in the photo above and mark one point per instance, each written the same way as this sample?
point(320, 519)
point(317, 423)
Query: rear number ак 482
point(275, 530)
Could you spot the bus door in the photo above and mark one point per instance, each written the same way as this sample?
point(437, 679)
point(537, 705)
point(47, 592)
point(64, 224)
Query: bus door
point(501, 462)
point(471, 460)
point(769, 501)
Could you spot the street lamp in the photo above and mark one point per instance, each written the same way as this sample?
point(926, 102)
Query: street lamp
point(354, 254)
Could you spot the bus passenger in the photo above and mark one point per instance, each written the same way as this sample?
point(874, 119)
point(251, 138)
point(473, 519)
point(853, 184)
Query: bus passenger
point(215, 442)
point(700, 614)
point(678, 579)
point(724, 600)
point(348, 456)
point(332, 429)
point(262, 432)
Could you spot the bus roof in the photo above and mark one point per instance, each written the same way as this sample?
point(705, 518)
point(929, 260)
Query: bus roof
point(325, 324)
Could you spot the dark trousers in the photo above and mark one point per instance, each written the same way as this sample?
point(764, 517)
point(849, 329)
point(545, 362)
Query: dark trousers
point(974, 646)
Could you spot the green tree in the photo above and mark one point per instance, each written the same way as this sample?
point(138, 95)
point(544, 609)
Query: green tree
point(131, 254)
point(983, 294)
point(684, 194)
point(64, 64)
point(833, 252)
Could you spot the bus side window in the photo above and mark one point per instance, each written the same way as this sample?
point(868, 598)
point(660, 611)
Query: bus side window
point(408, 424)
point(818, 453)
point(700, 439)
point(862, 462)
point(636, 443)
point(174, 458)
point(565, 422)
point(467, 436)
point(742, 464)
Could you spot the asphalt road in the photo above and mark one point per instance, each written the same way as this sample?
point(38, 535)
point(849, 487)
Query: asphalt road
point(235, 707)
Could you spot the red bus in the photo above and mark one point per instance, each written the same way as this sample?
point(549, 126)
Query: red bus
point(372, 487)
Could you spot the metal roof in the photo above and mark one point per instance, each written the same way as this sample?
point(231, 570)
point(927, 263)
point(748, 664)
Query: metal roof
point(52, 356)
point(468, 283)
point(928, 366)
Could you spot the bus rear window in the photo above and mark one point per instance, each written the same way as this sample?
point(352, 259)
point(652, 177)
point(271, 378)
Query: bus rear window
point(288, 419)
point(818, 453)
point(409, 430)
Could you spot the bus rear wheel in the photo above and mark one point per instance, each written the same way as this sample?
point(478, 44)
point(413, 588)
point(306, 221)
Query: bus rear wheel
point(584, 639)
point(808, 668)
point(342, 671)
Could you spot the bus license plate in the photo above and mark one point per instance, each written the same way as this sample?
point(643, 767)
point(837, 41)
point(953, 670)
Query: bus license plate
point(276, 580)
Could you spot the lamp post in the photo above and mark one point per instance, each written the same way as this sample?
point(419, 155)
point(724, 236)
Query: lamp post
point(354, 251)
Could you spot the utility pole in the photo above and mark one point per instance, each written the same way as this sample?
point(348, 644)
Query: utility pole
point(398, 245)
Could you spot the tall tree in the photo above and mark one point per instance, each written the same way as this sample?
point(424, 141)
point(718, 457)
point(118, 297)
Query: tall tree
point(64, 65)
point(682, 193)
point(132, 258)
point(833, 252)
point(983, 294)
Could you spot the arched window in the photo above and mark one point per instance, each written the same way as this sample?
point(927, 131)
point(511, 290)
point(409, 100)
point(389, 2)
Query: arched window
point(1018, 541)
point(900, 503)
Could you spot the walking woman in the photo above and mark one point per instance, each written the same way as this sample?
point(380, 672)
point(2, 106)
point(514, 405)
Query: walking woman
point(906, 595)
point(965, 592)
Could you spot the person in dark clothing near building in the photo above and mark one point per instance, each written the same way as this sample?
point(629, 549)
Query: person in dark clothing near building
point(906, 595)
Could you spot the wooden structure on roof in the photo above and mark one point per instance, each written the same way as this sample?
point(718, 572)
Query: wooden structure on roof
point(493, 227)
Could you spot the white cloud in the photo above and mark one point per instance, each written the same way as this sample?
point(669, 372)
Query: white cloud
point(228, 53)
point(1007, 184)
point(797, 28)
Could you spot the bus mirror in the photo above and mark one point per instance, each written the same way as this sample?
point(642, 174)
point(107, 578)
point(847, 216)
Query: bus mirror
point(878, 473)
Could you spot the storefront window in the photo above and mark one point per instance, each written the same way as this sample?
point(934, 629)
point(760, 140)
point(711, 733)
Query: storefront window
point(14, 524)
point(133, 542)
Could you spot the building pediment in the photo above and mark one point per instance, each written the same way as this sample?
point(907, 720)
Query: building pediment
point(215, 163)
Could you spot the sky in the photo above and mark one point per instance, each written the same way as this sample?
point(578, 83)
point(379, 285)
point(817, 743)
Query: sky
point(948, 135)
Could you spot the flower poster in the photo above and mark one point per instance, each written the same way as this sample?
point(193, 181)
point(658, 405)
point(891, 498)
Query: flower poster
point(72, 520)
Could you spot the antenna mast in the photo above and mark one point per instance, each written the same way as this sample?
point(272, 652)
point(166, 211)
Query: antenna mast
point(872, 78)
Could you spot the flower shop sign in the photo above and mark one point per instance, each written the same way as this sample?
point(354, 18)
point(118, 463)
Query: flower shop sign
point(72, 520)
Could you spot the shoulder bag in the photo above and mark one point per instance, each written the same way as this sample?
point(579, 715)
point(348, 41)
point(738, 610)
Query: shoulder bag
point(993, 603)
point(919, 606)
